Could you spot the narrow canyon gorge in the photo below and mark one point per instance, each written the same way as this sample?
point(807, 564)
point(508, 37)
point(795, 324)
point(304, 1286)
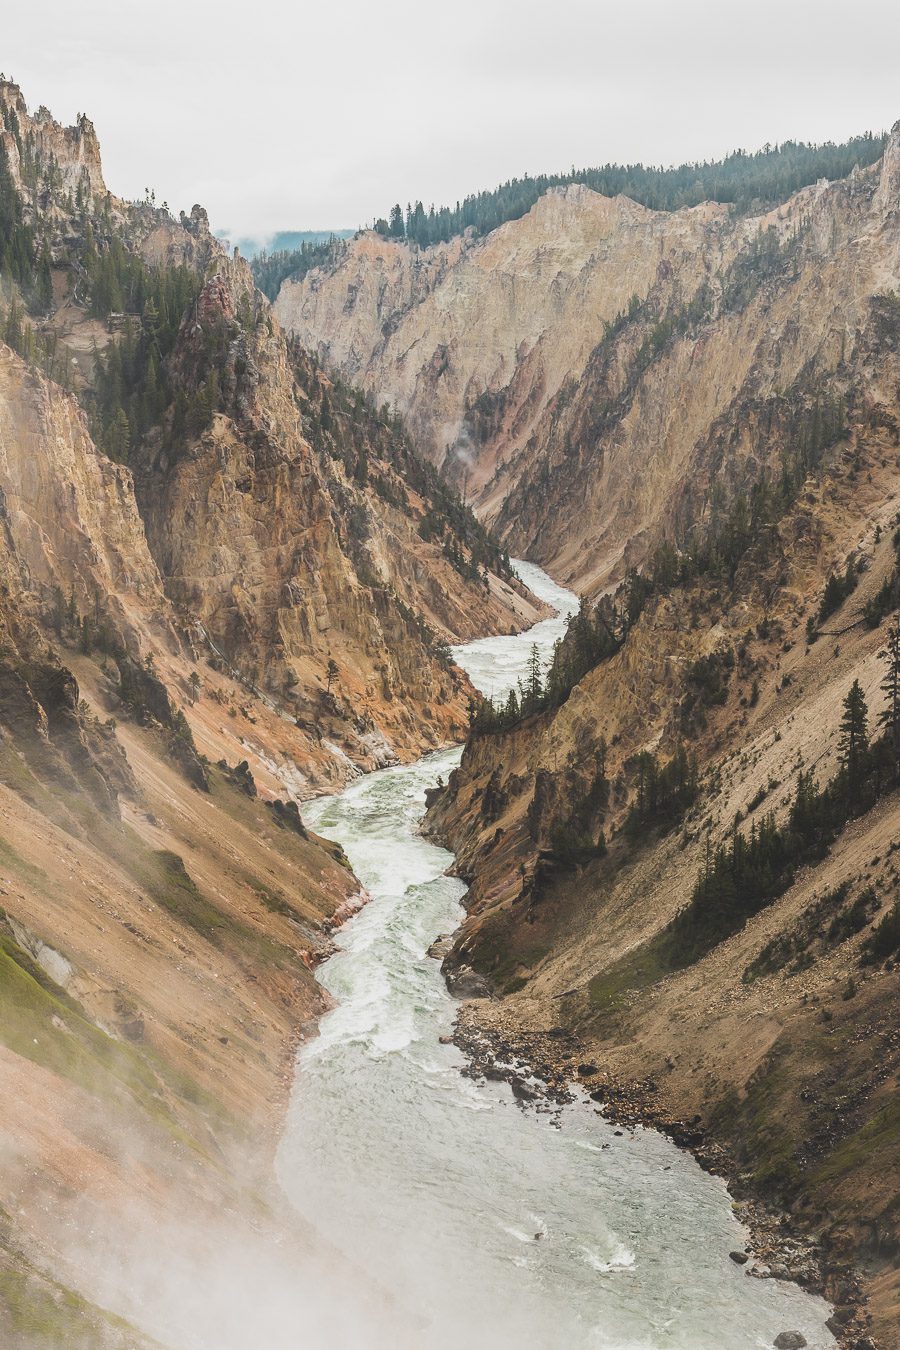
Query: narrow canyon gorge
point(449, 763)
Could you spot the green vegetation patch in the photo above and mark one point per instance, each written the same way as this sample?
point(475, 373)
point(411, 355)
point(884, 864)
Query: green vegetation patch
point(165, 879)
point(164, 876)
point(47, 1314)
point(10, 858)
point(42, 1023)
point(880, 1135)
point(824, 924)
point(883, 943)
point(641, 968)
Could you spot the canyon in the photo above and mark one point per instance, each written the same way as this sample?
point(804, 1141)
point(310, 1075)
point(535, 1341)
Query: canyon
point(691, 418)
point(249, 552)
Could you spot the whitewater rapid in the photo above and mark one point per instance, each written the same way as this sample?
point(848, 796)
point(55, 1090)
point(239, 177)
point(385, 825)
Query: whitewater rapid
point(436, 1186)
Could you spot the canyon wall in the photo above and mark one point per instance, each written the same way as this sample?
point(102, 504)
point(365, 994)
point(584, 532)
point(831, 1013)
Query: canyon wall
point(202, 622)
point(473, 338)
point(596, 369)
point(745, 466)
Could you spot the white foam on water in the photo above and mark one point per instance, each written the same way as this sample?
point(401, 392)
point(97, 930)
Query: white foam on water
point(621, 1259)
point(422, 1175)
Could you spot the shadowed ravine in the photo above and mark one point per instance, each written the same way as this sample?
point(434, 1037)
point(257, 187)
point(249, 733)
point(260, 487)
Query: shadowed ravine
point(493, 1226)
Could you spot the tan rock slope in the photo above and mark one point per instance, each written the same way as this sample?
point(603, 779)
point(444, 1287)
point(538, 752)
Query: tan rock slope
point(346, 574)
point(472, 339)
point(153, 977)
point(284, 560)
point(591, 365)
point(747, 465)
point(254, 608)
point(782, 1042)
point(664, 422)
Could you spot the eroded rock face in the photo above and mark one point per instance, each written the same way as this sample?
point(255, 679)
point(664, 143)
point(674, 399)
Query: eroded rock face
point(280, 566)
point(643, 446)
point(588, 443)
point(75, 149)
point(473, 338)
point(72, 527)
point(284, 563)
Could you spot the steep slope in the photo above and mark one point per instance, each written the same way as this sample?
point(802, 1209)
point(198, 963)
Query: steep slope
point(226, 582)
point(599, 373)
point(682, 406)
point(287, 555)
point(220, 393)
point(153, 978)
point(587, 824)
point(471, 339)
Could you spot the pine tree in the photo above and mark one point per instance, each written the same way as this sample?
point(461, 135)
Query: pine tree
point(44, 288)
point(602, 751)
point(205, 403)
point(361, 467)
point(118, 436)
point(854, 731)
point(89, 251)
point(14, 329)
point(533, 682)
point(889, 717)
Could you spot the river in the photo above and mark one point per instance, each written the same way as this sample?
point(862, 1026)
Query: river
point(493, 1227)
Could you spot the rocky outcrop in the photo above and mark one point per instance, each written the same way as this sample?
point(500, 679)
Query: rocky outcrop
point(71, 527)
point(74, 152)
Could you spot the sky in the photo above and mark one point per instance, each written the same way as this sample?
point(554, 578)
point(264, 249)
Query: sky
point(283, 115)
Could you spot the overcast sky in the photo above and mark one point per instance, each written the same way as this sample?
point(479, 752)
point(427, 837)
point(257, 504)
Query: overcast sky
point(310, 116)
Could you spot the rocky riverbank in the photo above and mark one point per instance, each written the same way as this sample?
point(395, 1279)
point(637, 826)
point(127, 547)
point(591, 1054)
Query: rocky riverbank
point(546, 1070)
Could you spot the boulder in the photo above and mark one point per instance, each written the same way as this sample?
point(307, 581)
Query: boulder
point(790, 1340)
point(464, 982)
point(522, 1091)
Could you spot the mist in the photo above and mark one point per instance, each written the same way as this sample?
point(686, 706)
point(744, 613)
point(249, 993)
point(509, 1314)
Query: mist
point(230, 1285)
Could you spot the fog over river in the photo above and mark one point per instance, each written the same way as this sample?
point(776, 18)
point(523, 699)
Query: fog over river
point(436, 1186)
